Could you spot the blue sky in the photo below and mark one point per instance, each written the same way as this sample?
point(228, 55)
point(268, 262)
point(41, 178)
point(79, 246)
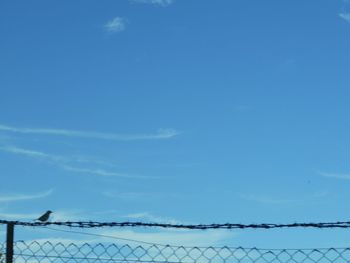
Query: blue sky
point(177, 111)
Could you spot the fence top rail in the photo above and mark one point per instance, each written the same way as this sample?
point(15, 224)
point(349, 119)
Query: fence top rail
point(92, 224)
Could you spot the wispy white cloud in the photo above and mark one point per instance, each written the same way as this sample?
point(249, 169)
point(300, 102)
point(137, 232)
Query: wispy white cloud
point(335, 175)
point(65, 163)
point(53, 157)
point(183, 238)
point(160, 134)
point(266, 199)
point(115, 25)
point(155, 2)
point(100, 172)
point(345, 16)
point(152, 218)
point(176, 237)
point(126, 195)
point(137, 195)
point(69, 215)
point(31, 153)
point(138, 216)
point(281, 201)
point(24, 197)
point(92, 160)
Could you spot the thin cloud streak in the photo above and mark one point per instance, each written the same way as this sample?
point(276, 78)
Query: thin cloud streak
point(155, 2)
point(266, 200)
point(280, 201)
point(335, 175)
point(105, 173)
point(134, 196)
point(52, 157)
point(69, 215)
point(24, 197)
point(64, 163)
point(345, 16)
point(31, 153)
point(162, 237)
point(176, 237)
point(152, 218)
point(160, 134)
point(127, 195)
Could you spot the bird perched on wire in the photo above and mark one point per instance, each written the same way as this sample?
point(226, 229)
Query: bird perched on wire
point(45, 216)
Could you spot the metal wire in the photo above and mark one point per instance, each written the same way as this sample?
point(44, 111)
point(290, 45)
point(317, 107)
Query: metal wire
point(2, 255)
point(62, 252)
point(90, 224)
point(103, 236)
point(92, 258)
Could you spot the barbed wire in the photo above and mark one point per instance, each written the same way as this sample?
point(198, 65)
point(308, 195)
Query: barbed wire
point(91, 224)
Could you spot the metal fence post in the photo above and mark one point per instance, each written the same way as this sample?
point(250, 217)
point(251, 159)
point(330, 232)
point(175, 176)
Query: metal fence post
point(9, 242)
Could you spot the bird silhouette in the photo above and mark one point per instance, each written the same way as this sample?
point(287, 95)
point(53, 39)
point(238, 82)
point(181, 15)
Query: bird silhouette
point(45, 216)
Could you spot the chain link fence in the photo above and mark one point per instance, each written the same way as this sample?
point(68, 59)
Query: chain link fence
point(2, 254)
point(63, 252)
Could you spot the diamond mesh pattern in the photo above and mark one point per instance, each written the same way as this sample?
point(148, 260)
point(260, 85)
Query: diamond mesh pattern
point(62, 252)
point(2, 251)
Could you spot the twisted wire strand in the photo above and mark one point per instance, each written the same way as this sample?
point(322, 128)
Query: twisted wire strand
point(91, 224)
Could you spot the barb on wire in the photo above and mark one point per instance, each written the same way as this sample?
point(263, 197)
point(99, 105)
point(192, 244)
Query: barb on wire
point(91, 224)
